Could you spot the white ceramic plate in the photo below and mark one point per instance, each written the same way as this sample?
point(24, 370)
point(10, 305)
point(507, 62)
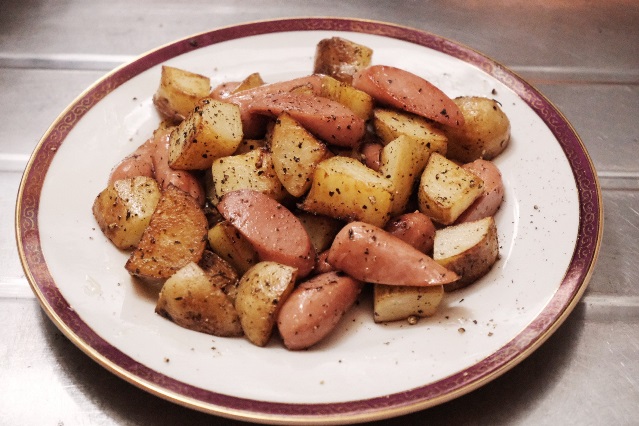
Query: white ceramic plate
point(549, 232)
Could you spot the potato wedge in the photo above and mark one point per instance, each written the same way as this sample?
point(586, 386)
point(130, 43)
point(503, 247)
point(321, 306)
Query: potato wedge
point(446, 189)
point(470, 249)
point(344, 188)
point(402, 161)
point(361, 103)
point(190, 299)
point(393, 303)
point(179, 92)
point(212, 130)
point(250, 82)
point(253, 170)
point(261, 292)
point(226, 241)
point(123, 209)
point(341, 58)
point(321, 229)
point(176, 235)
point(295, 154)
point(485, 133)
point(220, 272)
point(389, 124)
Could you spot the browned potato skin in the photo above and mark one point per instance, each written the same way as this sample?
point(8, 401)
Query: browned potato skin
point(176, 235)
point(261, 292)
point(178, 92)
point(220, 273)
point(194, 299)
point(474, 262)
point(341, 58)
point(123, 209)
point(226, 241)
point(414, 228)
point(485, 133)
point(315, 307)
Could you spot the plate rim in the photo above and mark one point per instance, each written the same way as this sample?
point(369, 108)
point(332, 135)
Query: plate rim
point(571, 288)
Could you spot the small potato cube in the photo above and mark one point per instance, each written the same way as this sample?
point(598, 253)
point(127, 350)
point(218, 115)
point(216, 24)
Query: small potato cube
point(393, 303)
point(361, 103)
point(470, 249)
point(252, 170)
point(220, 272)
point(389, 124)
point(250, 82)
point(261, 292)
point(341, 58)
point(226, 241)
point(212, 130)
point(176, 235)
point(485, 133)
point(344, 188)
point(190, 299)
point(402, 161)
point(179, 92)
point(446, 189)
point(321, 229)
point(295, 154)
point(123, 210)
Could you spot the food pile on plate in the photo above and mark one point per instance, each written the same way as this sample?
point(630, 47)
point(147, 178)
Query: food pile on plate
point(262, 207)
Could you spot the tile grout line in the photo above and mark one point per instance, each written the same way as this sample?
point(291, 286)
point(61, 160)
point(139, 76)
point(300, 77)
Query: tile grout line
point(94, 62)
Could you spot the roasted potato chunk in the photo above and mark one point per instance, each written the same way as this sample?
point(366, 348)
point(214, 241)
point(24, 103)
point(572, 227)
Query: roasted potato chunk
point(250, 82)
point(402, 161)
point(212, 130)
point(261, 291)
point(361, 103)
point(252, 170)
point(321, 229)
point(393, 302)
point(295, 154)
point(179, 92)
point(470, 249)
point(485, 133)
point(220, 272)
point(341, 58)
point(194, 299)
point(230, 245)
point(123, 209)
point(389, 124)
point(176, 235)
point(344, 188)
point(446, 189)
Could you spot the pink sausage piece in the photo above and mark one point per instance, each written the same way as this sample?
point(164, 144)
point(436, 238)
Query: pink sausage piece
point(315, 307)
point(329, 120)
point(404, 90)
point(151, 159)
point(490, 201)
point(275, 233)
point(368, 253)
point(414, 228)
point(139, 163)
point(254, 125)
point(321, 265)
point(371, 154)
